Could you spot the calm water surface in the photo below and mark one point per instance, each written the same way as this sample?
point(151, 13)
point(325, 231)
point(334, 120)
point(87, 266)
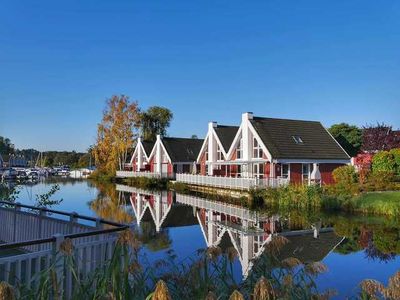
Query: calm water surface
point(353, 248)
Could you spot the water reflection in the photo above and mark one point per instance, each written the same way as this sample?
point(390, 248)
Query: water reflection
point(227, 226)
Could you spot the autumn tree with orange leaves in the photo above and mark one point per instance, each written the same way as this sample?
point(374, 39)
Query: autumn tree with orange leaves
point(116, 134)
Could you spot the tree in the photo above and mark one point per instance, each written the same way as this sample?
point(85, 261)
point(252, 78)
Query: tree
point(194, 136)
point(6, 147)
point(379, 137)
point(348, 136)
point(155, 121)
point(116, 133)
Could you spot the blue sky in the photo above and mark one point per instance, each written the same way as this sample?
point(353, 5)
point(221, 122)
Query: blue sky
point(333, 61)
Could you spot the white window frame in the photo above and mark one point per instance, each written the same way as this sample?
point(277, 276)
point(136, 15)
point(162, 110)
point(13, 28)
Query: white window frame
point(256, 170)
point(306, 177)
point(288, 171)
point(239, 149)
point(220, 155)
point(257, 149)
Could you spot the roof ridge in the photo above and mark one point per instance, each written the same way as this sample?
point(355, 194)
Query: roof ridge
point(283, 119)
point(180, 138)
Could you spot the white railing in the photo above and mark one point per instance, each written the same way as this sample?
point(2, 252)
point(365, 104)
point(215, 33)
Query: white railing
point(240, 183)
point(26, 268)
point(221, 207)
point(129, 174)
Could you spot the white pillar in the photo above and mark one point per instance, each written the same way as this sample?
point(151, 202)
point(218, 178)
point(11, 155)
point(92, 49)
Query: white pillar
point(158, 212)
point(139, 154)
point(158, 154)
point(247, 140)
point(212, 147)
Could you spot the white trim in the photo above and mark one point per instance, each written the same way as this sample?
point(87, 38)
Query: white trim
point(205, 143)
point(260, 141)
point(163, 147)
point(310, 161)
point(234, 142)
point(133, 154)
point(219, 143)
point(336, 141)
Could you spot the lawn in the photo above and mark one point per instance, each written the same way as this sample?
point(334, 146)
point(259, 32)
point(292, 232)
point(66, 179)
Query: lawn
point(385, 203)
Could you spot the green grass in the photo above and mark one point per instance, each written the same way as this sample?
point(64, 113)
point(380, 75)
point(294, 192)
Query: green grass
point(385, 203)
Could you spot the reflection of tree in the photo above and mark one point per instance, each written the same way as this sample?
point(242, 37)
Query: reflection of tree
point(109, 205)
point(379, 240)
point(154, 241)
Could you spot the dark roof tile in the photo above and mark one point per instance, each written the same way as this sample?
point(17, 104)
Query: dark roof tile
point(277, 135)
point(182, 149)
point(226, 135)
point(148, 146)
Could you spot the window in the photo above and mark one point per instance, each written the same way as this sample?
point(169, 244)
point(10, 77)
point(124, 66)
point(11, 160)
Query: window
point(164, 158)
point(239, 170)
point(239, 149)
point(257, 151)
point(258, 170)
point(306, 172)
point(206, 154)
point(219, 153)
point(285, 170)
point(297, 139)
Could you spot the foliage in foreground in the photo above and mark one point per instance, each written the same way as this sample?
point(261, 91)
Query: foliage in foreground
point(128, 275)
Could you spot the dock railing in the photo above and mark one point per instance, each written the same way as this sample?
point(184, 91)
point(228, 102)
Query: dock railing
point(92, 245)
point(239, 183)
point(130, 174)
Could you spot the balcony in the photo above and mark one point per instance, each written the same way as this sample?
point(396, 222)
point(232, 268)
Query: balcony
point(130, 174)
point(240, 183)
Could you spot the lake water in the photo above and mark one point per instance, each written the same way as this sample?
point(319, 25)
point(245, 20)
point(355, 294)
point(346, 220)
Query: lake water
point(352, 247)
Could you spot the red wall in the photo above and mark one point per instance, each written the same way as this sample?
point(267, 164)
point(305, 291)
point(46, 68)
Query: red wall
point(295, 173)
point(326, 172)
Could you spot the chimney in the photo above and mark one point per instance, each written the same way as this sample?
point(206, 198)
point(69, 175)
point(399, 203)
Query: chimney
point(212, 125)
point(247, 116)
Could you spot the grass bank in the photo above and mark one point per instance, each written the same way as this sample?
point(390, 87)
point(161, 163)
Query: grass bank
point(146, 183)
point(384, 203)
point(309, 198)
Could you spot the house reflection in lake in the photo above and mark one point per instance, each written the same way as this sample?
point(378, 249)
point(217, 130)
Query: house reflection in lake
point(226, 225)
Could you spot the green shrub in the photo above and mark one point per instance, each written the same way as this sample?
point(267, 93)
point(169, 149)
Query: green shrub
point(345, 175)
point(396, 157)
point(384, 161)
point(346, 179)
point(147, 183)
point(379, 180)
point(293, 196)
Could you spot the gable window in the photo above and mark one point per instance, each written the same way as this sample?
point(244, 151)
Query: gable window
point(206, 154)
point(257, 151)
point(306, 170)
point(285, 171)
point(239, 149)
point(219, 153)
point(297, 139)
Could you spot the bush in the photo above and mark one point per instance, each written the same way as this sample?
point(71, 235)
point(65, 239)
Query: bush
point(396, 157)
point(384, 161)
point(379, 181)
point(147, 183)
point(293, 196)
point(346, 180)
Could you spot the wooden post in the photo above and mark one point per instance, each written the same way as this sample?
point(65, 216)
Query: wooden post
point(58, 263)
point(17, 208)
point(73, 219)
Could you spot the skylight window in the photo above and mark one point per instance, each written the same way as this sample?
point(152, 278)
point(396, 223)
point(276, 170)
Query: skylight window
point(297, 139)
